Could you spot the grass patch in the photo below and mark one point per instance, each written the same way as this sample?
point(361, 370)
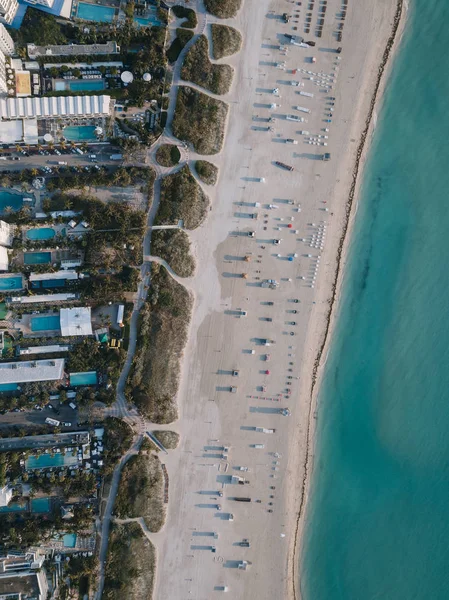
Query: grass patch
point(118, 437)
point(223, 9)
point(169, 439)
point(163, 327)
point(200, 120)
point(182, 37)
point(225, 40)
point(198, 69)
point(131, 564)
point(141, 491)
point(173, 245)
point(168, 155)
point(207, 172)
point(182, 199)
point(186, 13)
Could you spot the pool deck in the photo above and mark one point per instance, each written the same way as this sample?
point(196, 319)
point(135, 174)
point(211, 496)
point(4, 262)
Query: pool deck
point(24, 324)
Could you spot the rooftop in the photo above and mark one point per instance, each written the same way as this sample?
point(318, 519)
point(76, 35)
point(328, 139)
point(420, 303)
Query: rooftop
point(50, 440)
point(75, 321)
point(72, 49)
point(29, 371)
point(43, 298)
point(56, 275)
point(55, 106)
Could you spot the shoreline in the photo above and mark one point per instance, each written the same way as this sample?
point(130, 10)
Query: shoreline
point(362, 152)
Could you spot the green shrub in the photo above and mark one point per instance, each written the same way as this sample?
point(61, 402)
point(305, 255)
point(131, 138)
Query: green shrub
point(200, 120)
point(173, 245)
point(225, 40)
point(198, 69)
point(186, 13)
point(206, 171)
point(182, 37)
point(223, 9)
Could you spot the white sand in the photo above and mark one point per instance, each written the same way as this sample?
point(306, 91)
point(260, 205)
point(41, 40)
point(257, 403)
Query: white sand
point(219, 341)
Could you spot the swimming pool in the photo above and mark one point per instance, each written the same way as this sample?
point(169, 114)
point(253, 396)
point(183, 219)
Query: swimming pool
point(45, 461)
point(40, 505)
point(10, 200)
point(13, 507)
point(87, 378)
point(37, 258)
point(41, 233)
point(8, 387)
point(49, 323)
point(48, 283)
point(93, 12)
point(82, 132)
point(86, 85)
point(69, 540)
point(14, 282)
point(147, 22)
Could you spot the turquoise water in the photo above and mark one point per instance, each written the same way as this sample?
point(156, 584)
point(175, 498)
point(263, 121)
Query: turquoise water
point(79, 133)
point(49, 323)
point(87, 378)
point(89, 85)
point(48, 283)
point(69, 540)
point(36, 258)
point(42, 233)
point(93, 12)
point(15, 282)
point(8, 387)
point(378, 527)
point(43, 461)
point(40, 505)
point(13, 507)
point(10, 200)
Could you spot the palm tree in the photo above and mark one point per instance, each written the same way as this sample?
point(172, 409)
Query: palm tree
point(18, 148)
point(34, 172)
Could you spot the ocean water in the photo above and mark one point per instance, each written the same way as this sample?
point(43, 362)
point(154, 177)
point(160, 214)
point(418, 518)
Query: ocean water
point(378, 522)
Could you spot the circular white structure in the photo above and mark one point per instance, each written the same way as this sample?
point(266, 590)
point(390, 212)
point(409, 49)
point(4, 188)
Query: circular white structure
point(146, 77)
point(48, 138)
point(127, 77)
point(98, 130)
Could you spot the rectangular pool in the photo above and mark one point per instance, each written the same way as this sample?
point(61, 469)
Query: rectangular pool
point(10, 200)
point(37, 258)
point(8, 387)
point(93, 12)
point(40, 505)
point(69, 540)
point(87, 378)
point(13, 507)
point(82, 132)
point(86, 85)
point(46, 323)
point(13, 282)
point(41, 233)
point(45, 461)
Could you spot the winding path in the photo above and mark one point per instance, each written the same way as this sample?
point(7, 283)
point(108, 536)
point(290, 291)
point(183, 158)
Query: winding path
point(121, 408)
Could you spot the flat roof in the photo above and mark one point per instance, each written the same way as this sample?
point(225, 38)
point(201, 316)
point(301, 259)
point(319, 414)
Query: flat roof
point(43, 349)
point(29, 371)
point(71, 438)
point(26, 584)
point(76, 321)
point(43, 298)
point(72, 49)
point(23, 83)
point(56, 275)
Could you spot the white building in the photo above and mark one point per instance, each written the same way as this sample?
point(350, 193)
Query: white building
point(5, 497)
point(75, 321)
point(8, 10)
point(46, 3)
point(4, 259)
point(5, 234)
point(6, 41)
point(3, 86)
point(30, 371)
point(54, 107)
point(69, 275)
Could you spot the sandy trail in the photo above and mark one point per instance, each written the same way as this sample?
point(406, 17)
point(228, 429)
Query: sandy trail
point(220, 340)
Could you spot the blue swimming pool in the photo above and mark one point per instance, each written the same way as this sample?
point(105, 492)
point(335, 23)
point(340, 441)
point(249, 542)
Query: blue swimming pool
point(41, 233)
point(40, 505)
point(37, 258)
point(69, 540)
point(13, 507)
point(48, 283)
point(45, 323)
point(10, 200)
point(87, 378)
point(14, 282)
point(82, 132)
point(93, 12)
point(86, 85)
point(147, 21)
point(8, 387)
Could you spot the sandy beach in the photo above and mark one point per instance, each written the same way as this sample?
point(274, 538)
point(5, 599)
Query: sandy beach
point(220, 430)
